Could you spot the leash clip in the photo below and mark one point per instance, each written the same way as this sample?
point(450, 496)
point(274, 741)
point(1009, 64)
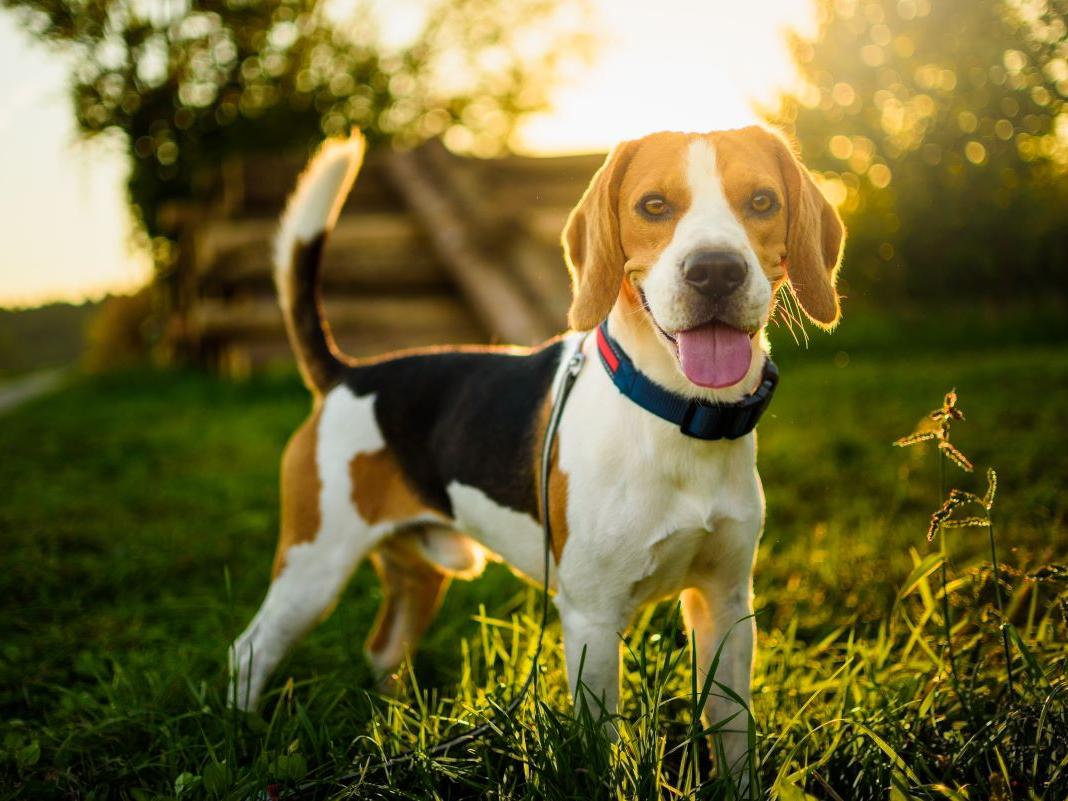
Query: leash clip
point(575, 363)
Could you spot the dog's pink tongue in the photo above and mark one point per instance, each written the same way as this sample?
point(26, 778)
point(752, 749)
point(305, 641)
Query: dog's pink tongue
point(714, 355)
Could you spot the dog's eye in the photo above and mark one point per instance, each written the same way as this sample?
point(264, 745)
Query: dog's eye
point(654, 207)
point(763, 201)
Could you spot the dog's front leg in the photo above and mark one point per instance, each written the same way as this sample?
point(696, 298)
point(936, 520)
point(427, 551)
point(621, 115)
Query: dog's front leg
point(591, 652)
point(719, 613)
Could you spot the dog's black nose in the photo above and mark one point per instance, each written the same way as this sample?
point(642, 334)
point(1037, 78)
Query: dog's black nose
point(715, 273)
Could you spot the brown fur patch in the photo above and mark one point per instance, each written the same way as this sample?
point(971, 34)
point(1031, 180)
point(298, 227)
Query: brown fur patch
point(591, 243)
point(300, 490)
point(807, 228)
point(606, 237)
point(380, 491)
point(658, 167)
point(558, 507)
point(412, 590)
point(557, 483)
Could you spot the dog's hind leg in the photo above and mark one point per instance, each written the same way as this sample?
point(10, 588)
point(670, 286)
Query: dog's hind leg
point(302, 594)
point(322, 540)
point(412, 590)
point(415, 567)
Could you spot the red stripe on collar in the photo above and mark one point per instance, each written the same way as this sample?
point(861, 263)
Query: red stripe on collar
point(609, 355)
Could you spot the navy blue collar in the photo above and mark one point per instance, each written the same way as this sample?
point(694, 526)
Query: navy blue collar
point(695, 418)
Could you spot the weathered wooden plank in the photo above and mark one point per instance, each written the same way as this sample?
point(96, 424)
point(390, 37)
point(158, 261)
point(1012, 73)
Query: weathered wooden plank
point(365, 251)
point(365, 229)
point(345, 271)
point(546, 223)
point(426, 317)
point(580, 165)
point(524, 195)
point(526, 182)
point(541, 268)
point(261, 183)
point(494, 295)
point(431, 247)
point(490, 214)
point(251, 353)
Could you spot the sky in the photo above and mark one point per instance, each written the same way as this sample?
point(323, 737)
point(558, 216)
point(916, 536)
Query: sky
point(663, 65)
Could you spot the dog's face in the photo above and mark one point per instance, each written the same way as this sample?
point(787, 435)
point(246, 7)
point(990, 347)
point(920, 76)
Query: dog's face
point(691, 235)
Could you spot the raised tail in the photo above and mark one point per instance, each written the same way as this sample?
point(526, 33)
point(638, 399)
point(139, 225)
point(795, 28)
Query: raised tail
point(310, 215)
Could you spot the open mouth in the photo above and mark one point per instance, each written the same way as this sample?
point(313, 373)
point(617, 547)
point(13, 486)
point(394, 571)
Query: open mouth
point(713, 355)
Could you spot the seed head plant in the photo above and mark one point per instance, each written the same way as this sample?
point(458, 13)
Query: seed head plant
point(936, 426)
point(960, 499)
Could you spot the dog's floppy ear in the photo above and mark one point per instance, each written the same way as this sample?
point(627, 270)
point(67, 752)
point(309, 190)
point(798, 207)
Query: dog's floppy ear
point(814, 240)
point(592, 247)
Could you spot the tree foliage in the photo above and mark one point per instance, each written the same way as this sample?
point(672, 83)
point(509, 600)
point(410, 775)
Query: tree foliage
point(188, 82)
point(941, 128)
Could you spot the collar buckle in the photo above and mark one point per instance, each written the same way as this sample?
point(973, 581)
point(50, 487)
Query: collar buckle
point(701, 421)
point(695, 418)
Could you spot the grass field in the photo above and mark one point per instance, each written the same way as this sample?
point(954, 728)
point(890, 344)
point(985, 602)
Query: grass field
point(139, 513)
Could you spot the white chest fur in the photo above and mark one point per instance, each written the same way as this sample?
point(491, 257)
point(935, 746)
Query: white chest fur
point(647, 506)
point(649, 510)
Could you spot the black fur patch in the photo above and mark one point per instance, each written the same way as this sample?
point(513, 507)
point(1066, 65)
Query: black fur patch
point(309, 332)
point(466, 416)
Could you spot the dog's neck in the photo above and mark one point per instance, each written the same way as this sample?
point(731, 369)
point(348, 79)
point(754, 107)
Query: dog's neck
point(652, 355)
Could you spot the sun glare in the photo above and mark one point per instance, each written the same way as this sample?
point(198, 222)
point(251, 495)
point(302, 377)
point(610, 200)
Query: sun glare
point(690, 65)
point(666, 65)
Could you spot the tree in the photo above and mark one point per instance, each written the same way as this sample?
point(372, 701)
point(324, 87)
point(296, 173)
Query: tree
point(941, 127)
point(188, 82)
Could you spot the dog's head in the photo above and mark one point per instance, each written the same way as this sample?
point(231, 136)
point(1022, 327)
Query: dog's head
point(685, 239)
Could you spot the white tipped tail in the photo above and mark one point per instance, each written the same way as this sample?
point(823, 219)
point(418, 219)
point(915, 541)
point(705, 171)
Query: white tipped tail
point(310, 215)
point(313, 208)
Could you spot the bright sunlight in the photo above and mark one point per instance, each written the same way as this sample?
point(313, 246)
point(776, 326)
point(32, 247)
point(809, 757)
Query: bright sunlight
point(674, 64)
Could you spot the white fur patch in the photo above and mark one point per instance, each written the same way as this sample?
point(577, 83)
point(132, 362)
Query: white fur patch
point(456, 553)
point(710, 221)
point(347, 428)
point(644, 500)
point(515, 537)
point(315, 204)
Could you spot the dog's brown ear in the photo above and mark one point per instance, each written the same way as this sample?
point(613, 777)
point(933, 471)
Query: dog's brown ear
point(814, 240)
point(592, 247)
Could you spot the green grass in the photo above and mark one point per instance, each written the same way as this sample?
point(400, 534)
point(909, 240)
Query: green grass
point(138, 520)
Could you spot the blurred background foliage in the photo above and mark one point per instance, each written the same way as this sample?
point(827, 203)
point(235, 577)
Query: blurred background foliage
point(187, 83)
point(940, 128)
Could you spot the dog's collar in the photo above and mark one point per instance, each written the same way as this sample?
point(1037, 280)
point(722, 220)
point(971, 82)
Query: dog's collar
point(695, 418)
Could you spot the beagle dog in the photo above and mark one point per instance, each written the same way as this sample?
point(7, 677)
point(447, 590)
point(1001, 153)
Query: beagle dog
point(427, 461)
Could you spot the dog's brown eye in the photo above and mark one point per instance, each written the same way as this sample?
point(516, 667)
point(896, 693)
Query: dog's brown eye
point(762, 202)
point(654, 206)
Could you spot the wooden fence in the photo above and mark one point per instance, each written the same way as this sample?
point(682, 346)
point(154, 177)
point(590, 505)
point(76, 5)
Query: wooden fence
point(430, 248)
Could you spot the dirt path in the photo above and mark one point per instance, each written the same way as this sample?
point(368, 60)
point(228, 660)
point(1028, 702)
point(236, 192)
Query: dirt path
point(15, 393)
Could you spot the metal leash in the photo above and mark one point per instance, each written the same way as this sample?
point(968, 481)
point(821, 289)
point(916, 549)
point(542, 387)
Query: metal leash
point(571, 371)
